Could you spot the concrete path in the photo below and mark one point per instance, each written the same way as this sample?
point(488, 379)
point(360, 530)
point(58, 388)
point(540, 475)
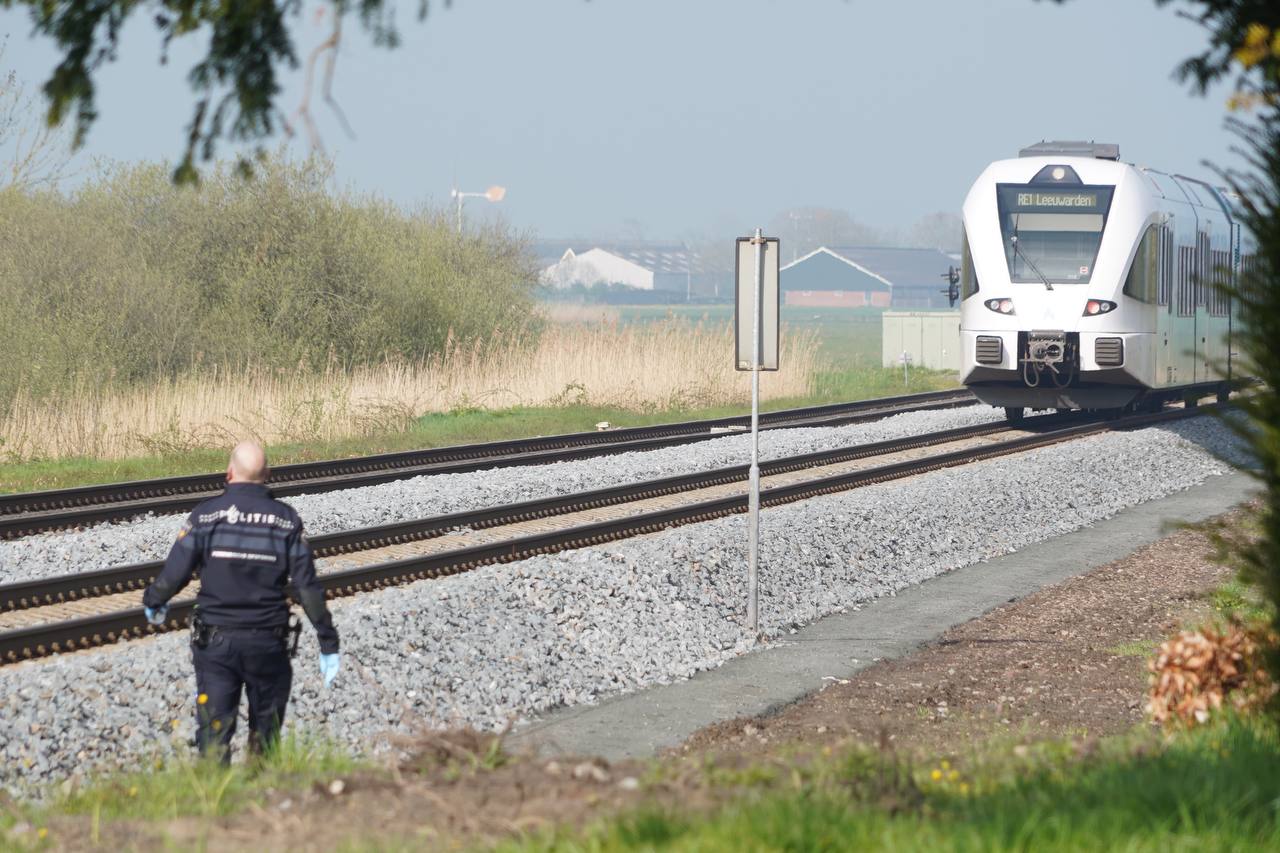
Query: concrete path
point(640, 724)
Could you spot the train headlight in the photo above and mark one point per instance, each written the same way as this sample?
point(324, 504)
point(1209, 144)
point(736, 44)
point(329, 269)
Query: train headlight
point(1000, 306)
point(1098, 306)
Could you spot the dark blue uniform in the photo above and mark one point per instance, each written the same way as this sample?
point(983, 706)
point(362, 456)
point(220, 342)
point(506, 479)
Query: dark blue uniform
point(248, 547)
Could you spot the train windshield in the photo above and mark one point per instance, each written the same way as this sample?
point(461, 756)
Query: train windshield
point(1052, 234)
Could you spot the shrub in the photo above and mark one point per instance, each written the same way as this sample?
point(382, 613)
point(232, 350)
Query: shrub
point(129, 278)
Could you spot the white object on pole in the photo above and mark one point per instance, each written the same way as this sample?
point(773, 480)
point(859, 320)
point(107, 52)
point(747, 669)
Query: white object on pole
point(757, 274)
point(743, 324)
point(494, 194)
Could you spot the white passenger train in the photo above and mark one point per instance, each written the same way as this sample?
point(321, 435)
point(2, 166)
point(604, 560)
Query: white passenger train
point(1086, 283)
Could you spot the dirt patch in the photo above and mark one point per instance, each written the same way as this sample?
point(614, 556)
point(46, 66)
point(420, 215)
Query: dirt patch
point(1067, 661)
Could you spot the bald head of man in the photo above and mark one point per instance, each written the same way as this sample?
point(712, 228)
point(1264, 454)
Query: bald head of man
point(248, 463)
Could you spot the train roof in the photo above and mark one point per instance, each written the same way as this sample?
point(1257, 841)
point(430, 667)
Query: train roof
point(1072, 148)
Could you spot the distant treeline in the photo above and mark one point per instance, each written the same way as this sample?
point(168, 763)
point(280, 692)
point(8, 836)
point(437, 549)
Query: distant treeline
point(129, 278)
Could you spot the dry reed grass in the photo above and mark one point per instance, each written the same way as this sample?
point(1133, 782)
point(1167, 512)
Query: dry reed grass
point(653, 367)
point(581, 313)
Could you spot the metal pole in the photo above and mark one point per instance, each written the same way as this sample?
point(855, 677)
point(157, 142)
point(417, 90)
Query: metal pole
point(688, 275)
point(753, 545)
point(459, 213)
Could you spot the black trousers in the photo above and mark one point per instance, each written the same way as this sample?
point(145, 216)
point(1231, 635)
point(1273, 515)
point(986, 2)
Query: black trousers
point(258, 662)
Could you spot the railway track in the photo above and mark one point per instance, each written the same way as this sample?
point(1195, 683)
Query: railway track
point(22, 514)
point(55, 615)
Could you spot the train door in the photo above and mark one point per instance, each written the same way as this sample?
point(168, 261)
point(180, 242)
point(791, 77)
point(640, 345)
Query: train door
point(1203, 289)
point(1183, 349)
point(1164, 303)
point(1214, 335)
point(1231, 303)
point(1182, 318)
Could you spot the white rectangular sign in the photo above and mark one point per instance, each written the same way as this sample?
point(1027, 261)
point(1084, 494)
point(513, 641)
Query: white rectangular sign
point(745, 267)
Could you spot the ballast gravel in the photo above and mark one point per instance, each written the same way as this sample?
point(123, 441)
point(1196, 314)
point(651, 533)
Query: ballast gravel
point(508, 641)
point(105, 545)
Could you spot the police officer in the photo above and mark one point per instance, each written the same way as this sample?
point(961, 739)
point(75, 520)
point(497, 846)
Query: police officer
point(248, 547)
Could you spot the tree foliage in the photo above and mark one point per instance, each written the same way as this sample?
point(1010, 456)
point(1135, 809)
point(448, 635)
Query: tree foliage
point(133, 279)
point(236, 83)
point(1244, 48)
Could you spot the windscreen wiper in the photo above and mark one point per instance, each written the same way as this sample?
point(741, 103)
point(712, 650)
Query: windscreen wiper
point(1018, 251)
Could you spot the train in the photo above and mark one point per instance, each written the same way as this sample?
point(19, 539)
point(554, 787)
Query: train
point(1088, 283)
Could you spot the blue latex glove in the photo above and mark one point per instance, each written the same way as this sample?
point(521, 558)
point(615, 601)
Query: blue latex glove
point(157, 616)
point(329, 667)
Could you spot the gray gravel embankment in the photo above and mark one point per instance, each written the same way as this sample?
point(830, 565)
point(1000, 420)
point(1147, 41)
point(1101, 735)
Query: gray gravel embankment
point(569, 628)
point(106, 545)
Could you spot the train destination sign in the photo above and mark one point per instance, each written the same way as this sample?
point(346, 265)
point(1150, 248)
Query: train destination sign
point(1039, 199)
point(1019, 198)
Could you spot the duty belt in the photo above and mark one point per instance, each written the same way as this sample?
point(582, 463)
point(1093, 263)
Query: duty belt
point(202, 633)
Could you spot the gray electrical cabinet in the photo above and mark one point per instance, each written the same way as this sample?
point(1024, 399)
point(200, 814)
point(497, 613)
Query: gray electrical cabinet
point(930, 339)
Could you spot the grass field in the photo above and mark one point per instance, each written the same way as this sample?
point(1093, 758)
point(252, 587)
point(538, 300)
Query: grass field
point(848, 338)
point(1213, 788)
point(1207, 790)
point(574, 381)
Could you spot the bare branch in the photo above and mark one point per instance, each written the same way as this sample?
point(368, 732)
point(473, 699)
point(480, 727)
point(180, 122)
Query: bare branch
point(330, 47)
point(330, 62)
point(36, 154)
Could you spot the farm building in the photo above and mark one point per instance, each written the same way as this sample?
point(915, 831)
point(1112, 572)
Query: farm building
point(918, 276)
point(856, 276)
point(671, 268)
point(825, 279)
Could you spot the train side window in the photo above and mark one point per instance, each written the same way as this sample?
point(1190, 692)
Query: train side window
point(968, 275)
point(1219, 278)
point(1186, 296)
point(1144, 273)
point(1204, 270)
point(1247, 277)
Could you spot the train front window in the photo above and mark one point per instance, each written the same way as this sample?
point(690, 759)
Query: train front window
point(1051, 235)
point(968, 275)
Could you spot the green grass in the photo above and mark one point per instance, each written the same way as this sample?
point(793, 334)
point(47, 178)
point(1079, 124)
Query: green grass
point(848, 337)
point(1214, 788)
point(459, 427)
point(181, 788)
point(1207, 790)
point(1133, 649)
point(1238, 600)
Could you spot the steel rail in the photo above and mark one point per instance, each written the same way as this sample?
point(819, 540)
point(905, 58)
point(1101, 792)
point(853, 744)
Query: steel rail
point(56, 590)
point(22, 514)
point(41, 640)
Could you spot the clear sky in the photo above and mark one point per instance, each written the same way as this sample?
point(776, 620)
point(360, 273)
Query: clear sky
point(678, 118)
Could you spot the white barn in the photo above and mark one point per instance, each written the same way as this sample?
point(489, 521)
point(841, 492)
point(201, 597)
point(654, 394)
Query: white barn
point(596, 266)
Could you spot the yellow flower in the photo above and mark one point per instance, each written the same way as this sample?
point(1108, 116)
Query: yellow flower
point(945, 765)
point(1255, 47)
point(202, 698)
point(42, 832)
point(964, 787)
point(953, 775)
point(217, 724)
point(173, 724)
point(133, 791)
point(936, 775)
